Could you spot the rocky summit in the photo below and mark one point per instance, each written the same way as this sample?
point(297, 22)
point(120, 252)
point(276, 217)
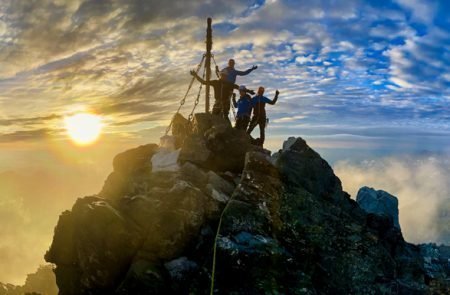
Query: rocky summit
point(286, 225)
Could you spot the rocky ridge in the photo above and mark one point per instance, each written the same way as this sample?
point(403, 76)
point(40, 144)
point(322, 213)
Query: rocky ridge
point(288, 227)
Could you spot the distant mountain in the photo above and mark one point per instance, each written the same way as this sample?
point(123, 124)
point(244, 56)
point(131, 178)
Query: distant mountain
point(41, 282)
point(286, 225)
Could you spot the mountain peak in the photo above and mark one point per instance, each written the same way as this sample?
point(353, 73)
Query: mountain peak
point(286, 225)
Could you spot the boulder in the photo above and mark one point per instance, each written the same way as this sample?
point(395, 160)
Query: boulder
point(131, 169)
point(301, 166)
point(134, 160)
point(195, 151)
point(165, 160)
point(379, 202)
point(215, 145)
point(95, 242)
point(181, 128)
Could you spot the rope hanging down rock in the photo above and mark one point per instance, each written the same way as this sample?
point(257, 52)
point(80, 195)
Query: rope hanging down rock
point(187, 92)
point(191, 115)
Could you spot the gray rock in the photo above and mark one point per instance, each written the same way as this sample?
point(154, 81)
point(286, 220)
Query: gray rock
point(131, 169)
point(194, 150)
point(180, 266)
point(181, 128)
point(219, 188)
point(378, 202)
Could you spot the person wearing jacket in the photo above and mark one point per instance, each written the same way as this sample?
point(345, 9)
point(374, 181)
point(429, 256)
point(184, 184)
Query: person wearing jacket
point(222, 90)
point(244, 108)
point(231, 73)
point(259, 102)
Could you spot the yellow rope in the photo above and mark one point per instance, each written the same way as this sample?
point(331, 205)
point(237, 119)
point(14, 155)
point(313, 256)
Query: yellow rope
point(213, 271)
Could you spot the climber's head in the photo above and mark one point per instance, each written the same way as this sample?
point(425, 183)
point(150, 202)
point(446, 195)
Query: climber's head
point(260, 90)
point(242, 90)
point(231, 63)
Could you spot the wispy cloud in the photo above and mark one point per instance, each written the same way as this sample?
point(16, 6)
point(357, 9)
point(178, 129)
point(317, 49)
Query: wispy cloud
point(131, 59)
point(421, 184)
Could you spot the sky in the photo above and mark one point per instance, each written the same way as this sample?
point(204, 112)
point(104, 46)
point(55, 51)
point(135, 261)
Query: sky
point(361, 81)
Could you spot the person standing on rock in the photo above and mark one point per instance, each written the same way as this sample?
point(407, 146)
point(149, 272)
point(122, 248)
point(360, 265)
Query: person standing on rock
point(231, 73)
point(222, 92)
point(259, 113)
point(244, 108)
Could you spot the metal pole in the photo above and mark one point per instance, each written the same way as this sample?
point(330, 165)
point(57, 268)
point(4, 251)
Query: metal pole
point(208, 62)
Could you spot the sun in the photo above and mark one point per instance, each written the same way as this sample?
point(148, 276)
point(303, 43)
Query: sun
point(83, 128)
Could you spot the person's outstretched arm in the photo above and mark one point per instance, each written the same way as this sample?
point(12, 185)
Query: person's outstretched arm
point(243, 73)
point(193, 73)
point(274, 100)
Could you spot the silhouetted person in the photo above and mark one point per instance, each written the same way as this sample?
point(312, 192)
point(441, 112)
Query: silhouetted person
point(244, 108)
point(222, 92)
point(231, 72)
point(259, 113)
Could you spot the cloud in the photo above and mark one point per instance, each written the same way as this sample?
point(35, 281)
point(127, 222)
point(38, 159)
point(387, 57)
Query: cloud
point(422, 185)
point(27, 122)
point(131, 59)
point(421, 10)
point(28, 135)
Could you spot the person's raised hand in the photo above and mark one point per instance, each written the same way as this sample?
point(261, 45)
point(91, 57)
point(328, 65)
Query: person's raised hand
point(254, 68)
point(277, 92)
point(251, 92)
point(192, 72)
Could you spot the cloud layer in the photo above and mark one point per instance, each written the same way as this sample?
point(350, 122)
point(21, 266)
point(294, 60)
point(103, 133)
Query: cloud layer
point(352, 62)
point(422, 186)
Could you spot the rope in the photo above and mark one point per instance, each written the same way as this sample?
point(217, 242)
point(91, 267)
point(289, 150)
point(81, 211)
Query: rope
point(213, 271)
point(191, 115)
point(187, 92)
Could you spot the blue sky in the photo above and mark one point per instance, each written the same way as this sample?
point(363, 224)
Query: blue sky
point(346, 69)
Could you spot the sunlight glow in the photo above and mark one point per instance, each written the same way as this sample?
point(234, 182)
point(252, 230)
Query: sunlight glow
point(83, 128)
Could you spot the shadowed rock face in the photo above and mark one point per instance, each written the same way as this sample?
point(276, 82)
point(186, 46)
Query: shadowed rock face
point(288, 227)
point(378, 202)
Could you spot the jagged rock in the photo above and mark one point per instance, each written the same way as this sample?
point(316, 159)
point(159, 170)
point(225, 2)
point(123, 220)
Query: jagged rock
point(228, 147)
point(215, 145)
point(436, 262)
point(287, 228)
point(378, 202)
point(144, 277)
point(131, 168)
point(302, 166)
point(181, 128)
point(92, 248)
point(251, 260)
point(195, 151)
point(203, 122)
point(219, 188)
point(134, 160)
